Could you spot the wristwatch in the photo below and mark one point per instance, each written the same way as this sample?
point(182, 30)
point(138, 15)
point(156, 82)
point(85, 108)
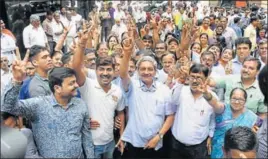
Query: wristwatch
point(160, 135)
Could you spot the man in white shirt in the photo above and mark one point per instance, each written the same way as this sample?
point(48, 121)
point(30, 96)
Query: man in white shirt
point(103, 99)
point(8, 46)
point(251, 32)
point(72, 32)
point(5, 73)
point(194, 122)
point(118, 28)
point(77, 18)
point(140, 17)
point(168, 13)
point(63, 17)
point(57, 27)
point(34, 34)
point(119, 13)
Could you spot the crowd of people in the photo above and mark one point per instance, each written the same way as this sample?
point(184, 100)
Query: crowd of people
point(183, 82)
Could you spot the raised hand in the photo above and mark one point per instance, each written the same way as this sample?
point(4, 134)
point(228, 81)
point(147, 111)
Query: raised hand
point(128, 45)
point(18, 70)
point(153, 23)
point(203, 86)
point(82, 38)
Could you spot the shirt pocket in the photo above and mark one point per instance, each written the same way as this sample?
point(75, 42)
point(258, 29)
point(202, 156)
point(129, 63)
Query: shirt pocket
point(160, 108)
point(75, 122)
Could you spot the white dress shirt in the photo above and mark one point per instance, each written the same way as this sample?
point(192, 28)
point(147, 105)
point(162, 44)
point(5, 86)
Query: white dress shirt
point(63, 19)
point(251, 33)
point(194, 119)
point(162, 76)
point(34, 36)
point(5, 79)
point(8, 46)
point(119, 15)
point(139, 16)
point(57, 28)
point(119, 29)
point(78, 20)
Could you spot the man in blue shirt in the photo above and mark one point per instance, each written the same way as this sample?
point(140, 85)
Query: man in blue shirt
point(236, 27)
point(243, 47)
point(149, 105)
point(60, 121)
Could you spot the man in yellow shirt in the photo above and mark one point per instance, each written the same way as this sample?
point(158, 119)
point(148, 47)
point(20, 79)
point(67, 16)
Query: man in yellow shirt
point(250, 31)
point(205, 28)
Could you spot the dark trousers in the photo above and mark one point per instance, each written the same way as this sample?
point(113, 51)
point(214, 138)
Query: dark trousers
point(105, 31)
point(52, 46)
point(134, 152)
point(179, 150)
point(165, 150)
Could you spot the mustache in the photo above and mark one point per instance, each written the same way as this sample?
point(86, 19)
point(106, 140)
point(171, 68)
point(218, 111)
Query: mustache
point(105, 76)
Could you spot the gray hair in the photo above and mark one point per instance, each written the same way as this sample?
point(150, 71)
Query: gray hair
point(34, 18)
point(56, 13)
point(146, 58)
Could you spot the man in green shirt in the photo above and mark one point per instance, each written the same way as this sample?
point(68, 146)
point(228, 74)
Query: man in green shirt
point(247, 80)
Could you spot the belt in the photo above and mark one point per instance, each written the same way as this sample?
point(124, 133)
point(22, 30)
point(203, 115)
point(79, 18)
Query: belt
point(187, 145)
point(8, 52)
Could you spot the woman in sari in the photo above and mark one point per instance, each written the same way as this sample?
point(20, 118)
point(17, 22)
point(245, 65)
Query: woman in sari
point(228, 116)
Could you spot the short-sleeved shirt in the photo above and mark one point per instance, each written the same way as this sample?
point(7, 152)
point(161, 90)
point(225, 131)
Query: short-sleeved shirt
point(102, 107)
point(148, 108)
point(254, 96)
point(195, 119)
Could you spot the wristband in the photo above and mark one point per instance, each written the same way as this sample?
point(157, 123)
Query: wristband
point(208, 97)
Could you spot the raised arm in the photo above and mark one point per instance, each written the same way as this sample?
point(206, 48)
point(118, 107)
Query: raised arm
point(10, 101)
point(79, 58)
point(128, 49)
point(213, 101)
point(155, 32)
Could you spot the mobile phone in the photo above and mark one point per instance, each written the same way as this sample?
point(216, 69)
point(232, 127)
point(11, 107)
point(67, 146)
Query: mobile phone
point(259, 122)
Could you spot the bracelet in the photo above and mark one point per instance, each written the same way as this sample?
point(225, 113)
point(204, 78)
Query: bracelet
point(208, 97)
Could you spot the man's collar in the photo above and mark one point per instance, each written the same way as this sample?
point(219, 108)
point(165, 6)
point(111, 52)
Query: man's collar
point(144, 88)
point(97, 85)
point(54, 102)
point(255, 84)
point(39, 77)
